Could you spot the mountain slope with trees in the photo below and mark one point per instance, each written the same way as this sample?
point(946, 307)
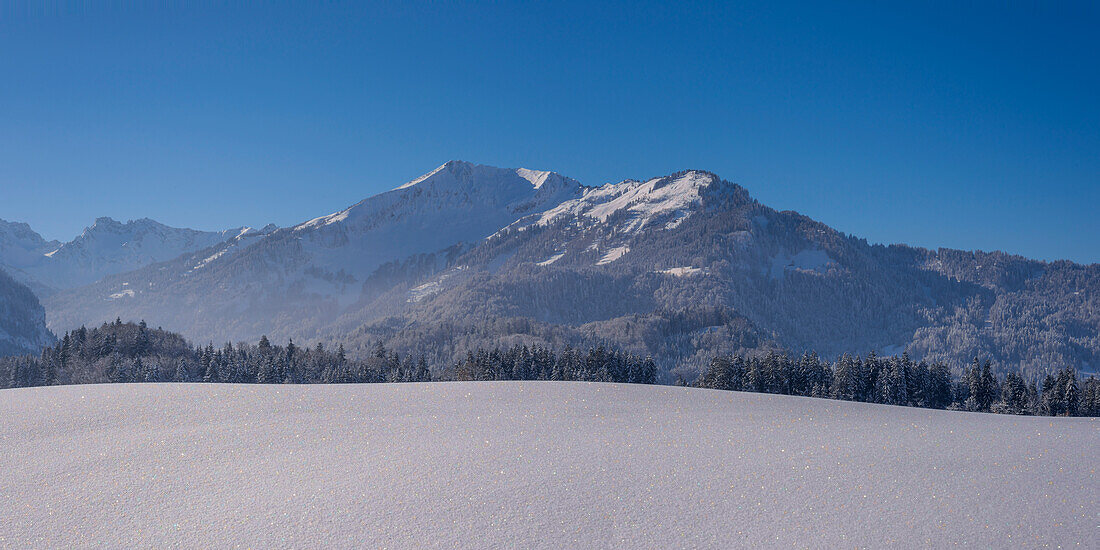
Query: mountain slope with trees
point(22, 319)
point(681, 268)
point(120, 352)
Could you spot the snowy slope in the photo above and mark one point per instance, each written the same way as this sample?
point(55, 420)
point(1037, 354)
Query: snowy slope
point(22, 247)
point(105, 248)
point(456, 202)
point(19, 244)
point(529, 465)
point(668, 201)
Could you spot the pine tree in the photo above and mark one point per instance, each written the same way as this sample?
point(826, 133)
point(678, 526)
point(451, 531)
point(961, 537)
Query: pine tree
point(422, 372)
point(1050, 400)
point(648, 371)
point(989, 387)
point(141, 345)
point(181, 371)
point(210, 368)
point(848, 379)
point(718, 375)
point(1072, 394)
point(265, 374)
point(291, 349)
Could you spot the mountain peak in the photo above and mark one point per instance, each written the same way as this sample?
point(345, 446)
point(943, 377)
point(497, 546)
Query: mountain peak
point(458, 185)
point(108, 225)
point(459, 172)
point(109, 246)
point(456, 168)
point(103, 222)
point(536, 177)
point(21, 232)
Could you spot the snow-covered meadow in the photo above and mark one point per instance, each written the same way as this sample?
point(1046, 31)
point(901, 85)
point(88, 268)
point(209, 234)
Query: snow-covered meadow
point(529, 464)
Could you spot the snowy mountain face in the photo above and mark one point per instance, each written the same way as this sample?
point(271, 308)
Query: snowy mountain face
point(456, 203)
point(20, 245)
point(678, 267)
point(105, 248)
point(687, 266)
point(293, 279)
point(21, 248)
point(659, 202)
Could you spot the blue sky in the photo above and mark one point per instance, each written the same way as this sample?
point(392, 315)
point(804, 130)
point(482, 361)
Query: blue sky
point(974, 127)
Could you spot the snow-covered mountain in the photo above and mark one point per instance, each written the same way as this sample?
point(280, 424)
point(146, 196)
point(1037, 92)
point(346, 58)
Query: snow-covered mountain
point(688, 265)
point(458, 202)
point(678, 267)
point(105, 248)
point(293, 280)
point(20, 248)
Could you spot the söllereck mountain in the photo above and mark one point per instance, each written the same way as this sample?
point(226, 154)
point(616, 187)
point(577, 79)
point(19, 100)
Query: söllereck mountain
point(677, 267)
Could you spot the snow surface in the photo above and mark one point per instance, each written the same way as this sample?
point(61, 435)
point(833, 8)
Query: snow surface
point(433, 287)
point(667, 199)
point(211, 258)
point(682, 271)
point(422, 178)
point(529, 465)
point(536, 177)
point(552, 259)
point(613, 254)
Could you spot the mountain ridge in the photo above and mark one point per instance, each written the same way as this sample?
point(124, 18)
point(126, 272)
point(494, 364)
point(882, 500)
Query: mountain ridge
point(677, 267)
point(104, 248)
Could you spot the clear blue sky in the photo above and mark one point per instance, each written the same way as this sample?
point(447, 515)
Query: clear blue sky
point(933, 124)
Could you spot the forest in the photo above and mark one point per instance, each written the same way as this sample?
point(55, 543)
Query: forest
point(133, 352)
point(897, 380)
point(127, 352)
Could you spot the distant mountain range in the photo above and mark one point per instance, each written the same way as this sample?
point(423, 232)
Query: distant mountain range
point(679, 267)
point(105, 248)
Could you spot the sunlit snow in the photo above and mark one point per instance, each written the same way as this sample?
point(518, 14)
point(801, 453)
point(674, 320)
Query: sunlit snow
point(529, 465)
point(658, 198)
point(613, 254)
point(682, 271)
point(552, 259)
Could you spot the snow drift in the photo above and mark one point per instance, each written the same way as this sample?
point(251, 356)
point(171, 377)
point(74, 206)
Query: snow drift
point(543, 464)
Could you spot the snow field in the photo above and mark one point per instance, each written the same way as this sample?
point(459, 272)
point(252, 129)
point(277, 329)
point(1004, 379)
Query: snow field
point(529, 464)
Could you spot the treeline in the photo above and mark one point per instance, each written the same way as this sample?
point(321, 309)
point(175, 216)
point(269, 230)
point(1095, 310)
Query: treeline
point(598, 364)
point(129, 352)
point(900, 381)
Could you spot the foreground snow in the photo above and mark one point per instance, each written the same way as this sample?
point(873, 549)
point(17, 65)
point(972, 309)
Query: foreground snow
point(524, 464)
